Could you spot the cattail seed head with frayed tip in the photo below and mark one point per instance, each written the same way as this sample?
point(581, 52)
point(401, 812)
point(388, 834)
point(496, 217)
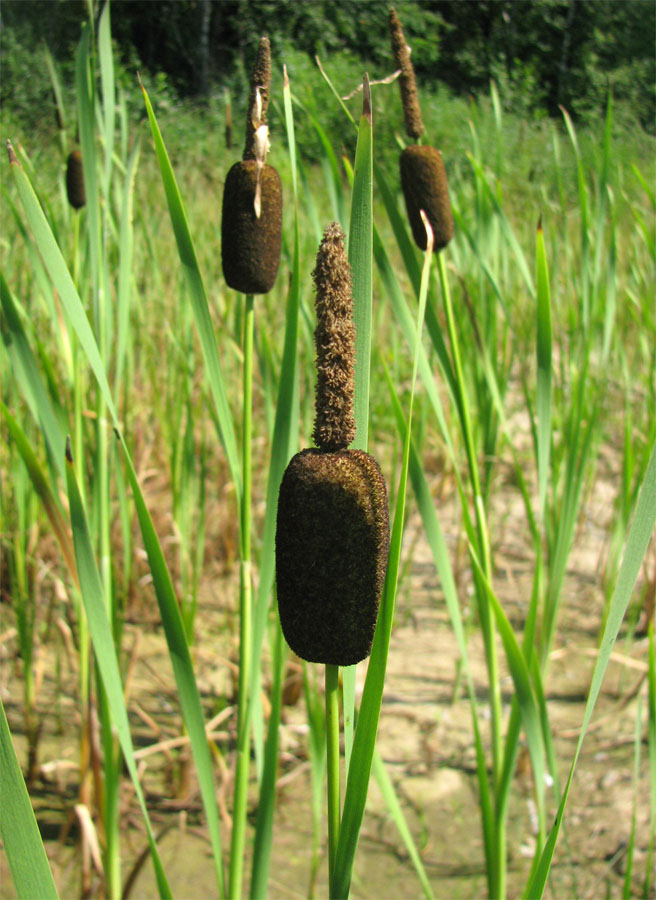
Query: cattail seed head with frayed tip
point(411, 111)
point(75, 180)
point(332, 542)
point(423, 179)
point(250, 245)
point(258, 98)
point(334, 426)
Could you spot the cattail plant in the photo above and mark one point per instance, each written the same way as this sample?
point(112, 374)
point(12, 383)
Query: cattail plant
point(252, 198)
point(423, 176)
point(332, 534)
point(251, 232)
point(75, 180)
point(333, 522)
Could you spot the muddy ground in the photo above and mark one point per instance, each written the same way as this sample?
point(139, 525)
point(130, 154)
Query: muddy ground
point(425, 739)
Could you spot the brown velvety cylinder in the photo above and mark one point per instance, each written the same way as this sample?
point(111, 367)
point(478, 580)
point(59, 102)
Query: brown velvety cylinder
point(332, 543)
point(423, 179)
point(250, 246)
point(75, 180)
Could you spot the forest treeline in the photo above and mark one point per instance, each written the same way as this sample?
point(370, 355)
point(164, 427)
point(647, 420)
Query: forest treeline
point(552, 52)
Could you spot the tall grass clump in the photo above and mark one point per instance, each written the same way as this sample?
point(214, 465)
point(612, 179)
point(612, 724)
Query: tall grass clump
point(476, 333)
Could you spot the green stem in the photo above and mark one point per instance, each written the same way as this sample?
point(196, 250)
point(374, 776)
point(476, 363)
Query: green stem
point(245, 622)
point(486, 617)
point(332, 754)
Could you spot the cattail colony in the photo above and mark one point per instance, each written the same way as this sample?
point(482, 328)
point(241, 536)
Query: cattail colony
point(170, 577)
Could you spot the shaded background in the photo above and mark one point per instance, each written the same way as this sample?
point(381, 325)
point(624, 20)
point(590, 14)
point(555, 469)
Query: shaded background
point(542, 54)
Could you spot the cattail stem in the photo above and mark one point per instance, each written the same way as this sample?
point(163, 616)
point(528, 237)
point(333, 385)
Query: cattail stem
point(332, 757)
point(247, 427)
point(242, 767)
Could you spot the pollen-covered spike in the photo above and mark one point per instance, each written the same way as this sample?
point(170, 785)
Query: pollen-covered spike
point(75, 180)
point(334, 426)
point(250, 245)
point(423, 179)
point(411, 111)
point(258, 98)
point(332, 542)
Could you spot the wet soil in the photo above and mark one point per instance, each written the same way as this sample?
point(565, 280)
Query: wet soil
point(425, 740)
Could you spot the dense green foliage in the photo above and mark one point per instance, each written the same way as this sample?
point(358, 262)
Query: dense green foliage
point(545, 54)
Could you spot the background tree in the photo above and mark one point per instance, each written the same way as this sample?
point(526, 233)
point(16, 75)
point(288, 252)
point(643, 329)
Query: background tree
point(551, 52)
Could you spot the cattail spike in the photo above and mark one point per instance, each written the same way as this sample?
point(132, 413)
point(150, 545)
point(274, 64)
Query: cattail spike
point(334, 427)
point(332, 530)
point(411, 111)
point(332, 543)
point(75, 180)
point(250, 244)
point(424, 183)
point(258, 100)
point(251, 222)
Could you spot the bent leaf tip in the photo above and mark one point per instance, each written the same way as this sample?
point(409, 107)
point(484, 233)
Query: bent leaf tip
point(366, 99)
point(13, 159)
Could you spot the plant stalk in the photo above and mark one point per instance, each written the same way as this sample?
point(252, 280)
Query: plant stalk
point(332, 756)
point(245, 621)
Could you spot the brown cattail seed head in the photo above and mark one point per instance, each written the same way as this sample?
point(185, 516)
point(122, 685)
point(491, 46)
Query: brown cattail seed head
point(411, 111)
point(250, 245)
point(258, 99)
point(423, 179)
point(75, 180)
point(334, 426)
point(332, 542)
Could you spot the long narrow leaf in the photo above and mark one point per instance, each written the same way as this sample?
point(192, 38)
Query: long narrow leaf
point(635, 549)
point(521, 679)
point(360, 242)
point(651, 747)
point(360, 246)
point(168, 604)
point(41, 487)
point(105, 653)
point(367, 726)
point(26, 854)
point(389, 795)
point(125, 264)
point(198, 299)
point(544, 370)
point(439, 550)
point(27, 373)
